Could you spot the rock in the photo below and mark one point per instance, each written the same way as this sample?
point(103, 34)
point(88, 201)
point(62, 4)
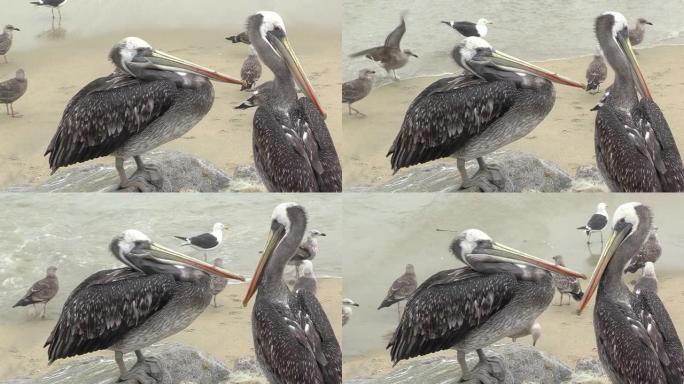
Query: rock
point(589, 370)
point(522, 173)
point(182, 365)
point(589, 179)
point(246, 179)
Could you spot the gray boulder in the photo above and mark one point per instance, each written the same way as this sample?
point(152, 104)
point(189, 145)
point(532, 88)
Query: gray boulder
point(522, 172)
point(589, 179)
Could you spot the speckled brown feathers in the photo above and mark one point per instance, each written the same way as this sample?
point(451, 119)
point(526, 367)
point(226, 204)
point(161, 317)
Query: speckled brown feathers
point(11, 90)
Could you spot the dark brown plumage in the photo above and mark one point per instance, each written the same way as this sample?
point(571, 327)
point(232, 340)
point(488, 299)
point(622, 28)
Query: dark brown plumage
point(357, 89)
point(401, 288)
point(42, 291)
point(239, 38)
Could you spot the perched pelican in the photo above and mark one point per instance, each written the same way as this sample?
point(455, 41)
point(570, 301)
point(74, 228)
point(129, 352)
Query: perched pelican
point(52, 4)
point(566, 285)
point(636, 34)
point(307, 280)
point(347, 310)
point(251, 70)
point(150, 99)
point(293, 339)
point(635, 150)
point(649, 252)
point(498, 100)
point(597, 72)
point(239, 38)
point(596, 222)
point(293, 149)
point(648, 279)
point(6, 40)
point(159, 293)
point(42, 291)
point(216, 283)
point(498, 294)
point(635, 337)
point(260, 96)
point(535, 330)
point(468, 28)
point(307, 250)
point(390, 55)
point(401, 289)
point(357, 89)
point(11, 90)
point(205, 241)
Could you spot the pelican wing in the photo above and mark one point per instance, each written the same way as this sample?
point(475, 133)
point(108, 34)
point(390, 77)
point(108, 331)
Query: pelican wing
point(321, 143)
point(104, 307)
point(394, 38)
point(446, 115)
point(446, 307)
point(104, 115)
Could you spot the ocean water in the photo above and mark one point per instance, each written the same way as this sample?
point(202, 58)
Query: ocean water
point(73, 232)
point(530, 30)
point(389, 233)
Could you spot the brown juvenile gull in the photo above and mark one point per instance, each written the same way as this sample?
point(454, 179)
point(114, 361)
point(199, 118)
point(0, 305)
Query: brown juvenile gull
point(390, 55)
point(307, 280)
point(357, 89)
point(239, 38)
point(11, 90)
point(534, 330)
point(648, 280)
point(636, 34)
point(41, 291)
point(217, 283)
point(251, 70)
point(307, 250)
point(260, 96)
point(597, 72)
point(566, 284)
point(401, 289)
point(347, 310)
point(650, 251)
point(6, 40)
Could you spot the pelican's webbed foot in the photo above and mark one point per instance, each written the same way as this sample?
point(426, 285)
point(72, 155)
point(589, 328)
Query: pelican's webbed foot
point(490, 370)
point(147, 370)
point(488, 178)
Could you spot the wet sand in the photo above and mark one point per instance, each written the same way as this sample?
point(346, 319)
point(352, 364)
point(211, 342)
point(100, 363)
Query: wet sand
point(58, 70)
point(224, 332)
point(566, 136)
point(564, 334)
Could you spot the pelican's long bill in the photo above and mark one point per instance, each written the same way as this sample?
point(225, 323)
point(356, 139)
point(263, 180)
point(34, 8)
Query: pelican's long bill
point(612, 245)
point(282, 45)
point(168, 62)
point(161, 252)
point(505, 60)
point(626, 47)
point(274, 239)
point(503, 251)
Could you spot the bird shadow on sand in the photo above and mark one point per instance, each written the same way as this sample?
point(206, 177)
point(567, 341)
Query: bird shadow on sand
point(54, 33)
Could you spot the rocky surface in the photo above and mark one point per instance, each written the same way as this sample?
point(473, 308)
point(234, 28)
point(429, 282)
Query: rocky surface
point(181, 365)
point(525, 364)
point(180, 172)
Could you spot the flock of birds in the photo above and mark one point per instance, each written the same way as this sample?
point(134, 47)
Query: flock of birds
point(500, 293)
point(159, 292)
point(152, 98)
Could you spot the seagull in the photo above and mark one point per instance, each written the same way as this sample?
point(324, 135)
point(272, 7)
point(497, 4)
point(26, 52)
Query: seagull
point(467, 28)
point(251, 70)
point(6, 40)
point(11, 90)
point(307, 250)
point(52, 4)
point(650, 251)
point(206, 241)
point(41, 291)
point(347, 310)
point(357, 89)
point(636, 34)
point(401, 289)
point(597, 72)
point(217, 283)
point(307, 280)
point(566, 284)
point(648, 280)
point(596, 222)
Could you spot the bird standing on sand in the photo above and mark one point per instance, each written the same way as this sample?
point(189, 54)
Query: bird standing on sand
point(307, 250)
point(347, 310)
point(649, 252)
point(11, 90)
point(217, 283)
point(239, 38)
point(6, 40)
point(52, 4)
point(251, 70)
point(566, 285)
point(596, 222)
point(467, 28)
point(648, 279)
point(535, 330)
point(260, 96)
point(636, 34)
point(401, 289)
point(390, 55)
point(357, 89)
point(597, 72)
point(307, 280)
point(41, 291)
point(205, 241)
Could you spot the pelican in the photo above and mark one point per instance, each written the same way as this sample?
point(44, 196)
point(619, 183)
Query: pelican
point(6, 40)
point(597, 72)
point(635, 150)
point(499, 293)
point(150, 99)
point(42, 291)
point(357, 89)
point(293, 149)
point(157, 294)
point(498, 100)
point(390, 55)
point(636, 34)
point(293, 339)
point(11, 90)
point(468, 28)
point(635, 337)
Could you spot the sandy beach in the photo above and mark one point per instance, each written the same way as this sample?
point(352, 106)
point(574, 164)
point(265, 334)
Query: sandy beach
point(564, 334)
point(224, 332)
point(566, 136)
point(57, 71)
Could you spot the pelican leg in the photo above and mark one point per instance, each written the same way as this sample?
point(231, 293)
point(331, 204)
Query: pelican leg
point(146, 178)
point(147, 370)
point(489, 370)
point(487, 179)
point(118, 357)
